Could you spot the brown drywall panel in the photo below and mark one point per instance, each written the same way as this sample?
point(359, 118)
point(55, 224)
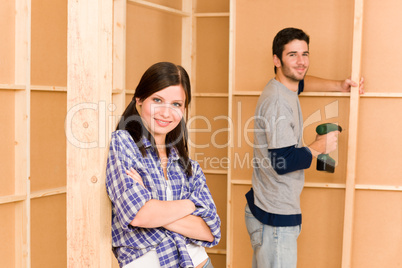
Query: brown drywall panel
point(7, 41)
point(205, 6)
point(379, 142)
point(210, 125)
point(7, 143)
point(217, 260)
point(329, 24)
point(320, 241)
point(48, 231)
point(322, 110)
point(49, 42)
point(7, 231)
point(212, 55)
point(152, 36)
point(241, 247)
point(243, 136)
point(378, 231)
point(381, 38)
point(217, 184)
point(48, 140)
point(129, 97)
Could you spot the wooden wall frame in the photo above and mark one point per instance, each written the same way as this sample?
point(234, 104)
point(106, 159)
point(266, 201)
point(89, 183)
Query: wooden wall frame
point(88, 226)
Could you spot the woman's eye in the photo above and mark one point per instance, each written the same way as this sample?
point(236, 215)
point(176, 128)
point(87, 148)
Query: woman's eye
point(157, 100)
point(176, 104)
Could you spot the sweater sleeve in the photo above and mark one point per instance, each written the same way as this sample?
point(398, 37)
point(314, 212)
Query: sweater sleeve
point(289, 159)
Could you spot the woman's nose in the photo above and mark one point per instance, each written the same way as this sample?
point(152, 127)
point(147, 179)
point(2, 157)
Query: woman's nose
point(164, 110)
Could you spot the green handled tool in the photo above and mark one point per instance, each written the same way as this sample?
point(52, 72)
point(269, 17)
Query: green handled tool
point(324, 161)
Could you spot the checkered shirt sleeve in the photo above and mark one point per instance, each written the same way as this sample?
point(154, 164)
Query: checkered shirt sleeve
point(205, 206)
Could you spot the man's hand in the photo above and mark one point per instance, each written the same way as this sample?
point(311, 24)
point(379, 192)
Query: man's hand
point(348, 83)
point(324, 144)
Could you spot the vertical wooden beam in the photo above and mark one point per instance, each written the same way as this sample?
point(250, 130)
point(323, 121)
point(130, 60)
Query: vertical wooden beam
point(232, 51)
point(22, 131)
point(119, 60)
point(188, 57)
point(89, 91)
point(187, 37)
point(352, 139)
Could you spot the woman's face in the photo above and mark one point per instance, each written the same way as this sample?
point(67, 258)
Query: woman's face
point(162, 111)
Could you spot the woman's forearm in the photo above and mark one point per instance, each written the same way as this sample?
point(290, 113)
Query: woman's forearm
point(193, 227)
point(156, 213)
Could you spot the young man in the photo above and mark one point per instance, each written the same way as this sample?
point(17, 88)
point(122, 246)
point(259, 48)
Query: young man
point(273, 215)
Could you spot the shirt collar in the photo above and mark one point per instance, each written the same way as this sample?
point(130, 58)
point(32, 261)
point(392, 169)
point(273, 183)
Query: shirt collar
point(173, 152)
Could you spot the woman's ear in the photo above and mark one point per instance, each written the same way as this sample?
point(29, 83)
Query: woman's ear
point(277, 61)
point(138, 101)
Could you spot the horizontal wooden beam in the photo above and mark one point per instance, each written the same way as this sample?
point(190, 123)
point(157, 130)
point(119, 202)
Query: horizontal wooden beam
point(381, 95)
point(240, 182)
point(12, 87)
point(48, 192)
point(211, 95)
point(216, 251)
point(378, 187)
point(12, 198)
point(325, 94)
point(324, 185)
point(246, 93)
point(329, 94)
point(160, 8)
point(214, 171)
point(212, 14)
point(48, 88)
point(336, 186)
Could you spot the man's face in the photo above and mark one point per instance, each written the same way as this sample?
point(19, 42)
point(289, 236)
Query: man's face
point(295, 60)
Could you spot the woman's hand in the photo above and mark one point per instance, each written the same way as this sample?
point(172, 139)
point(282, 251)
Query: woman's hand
point(135, 176)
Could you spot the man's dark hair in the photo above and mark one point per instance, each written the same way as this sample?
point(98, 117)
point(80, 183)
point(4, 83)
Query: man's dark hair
point(286, 36)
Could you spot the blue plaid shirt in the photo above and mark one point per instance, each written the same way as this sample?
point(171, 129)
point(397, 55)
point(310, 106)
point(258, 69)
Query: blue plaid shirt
point(128, 196)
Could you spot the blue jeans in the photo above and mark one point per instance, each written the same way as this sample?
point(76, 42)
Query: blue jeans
point(208, 264)
point(273, 247)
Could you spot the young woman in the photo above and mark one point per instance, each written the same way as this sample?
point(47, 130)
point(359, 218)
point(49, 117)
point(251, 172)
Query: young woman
point(163, 214)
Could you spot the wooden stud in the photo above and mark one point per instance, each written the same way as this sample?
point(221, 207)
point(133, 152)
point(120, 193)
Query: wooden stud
point(89, 90)
point(187, 37)
point(22, 132)
point(119, 61)
point(189, 59)
point(232, 50)
point(352, 142)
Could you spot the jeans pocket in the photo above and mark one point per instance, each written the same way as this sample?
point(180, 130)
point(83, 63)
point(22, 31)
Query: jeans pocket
point(254, 228)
